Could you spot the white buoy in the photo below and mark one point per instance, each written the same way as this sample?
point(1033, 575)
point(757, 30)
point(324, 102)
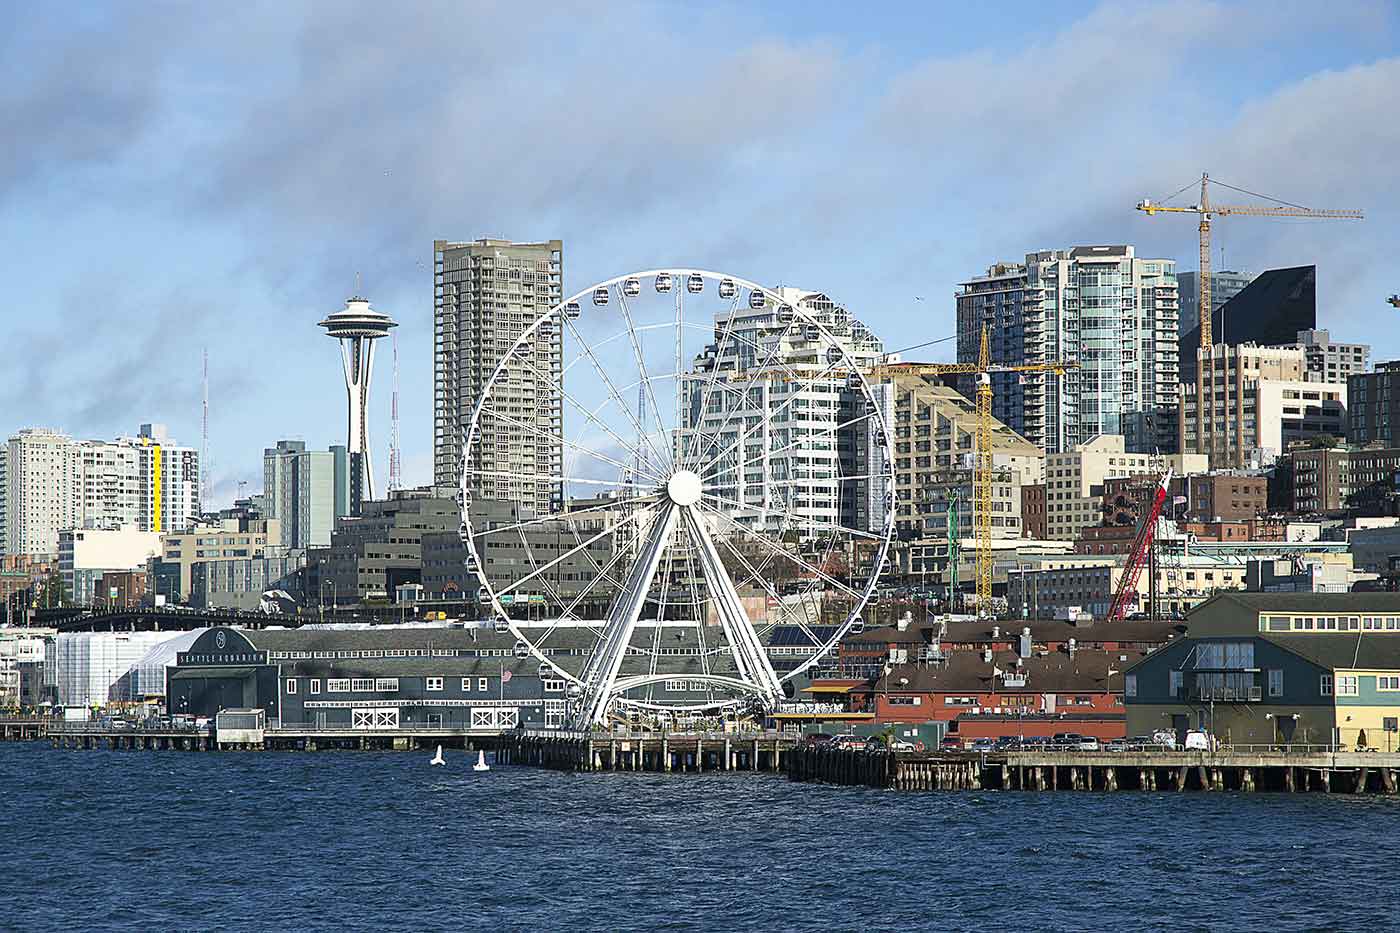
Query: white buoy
point(481, 764)
point(437, 759)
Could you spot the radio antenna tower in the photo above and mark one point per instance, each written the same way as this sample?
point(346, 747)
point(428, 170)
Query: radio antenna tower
point(394, 475)
point(204, 435)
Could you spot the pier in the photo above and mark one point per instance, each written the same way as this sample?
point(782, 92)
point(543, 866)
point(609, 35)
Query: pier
point(24, 728)
point(692, 752)
point(1319, 769)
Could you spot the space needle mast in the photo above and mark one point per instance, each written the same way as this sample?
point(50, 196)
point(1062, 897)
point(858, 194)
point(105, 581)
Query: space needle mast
point(357, 326)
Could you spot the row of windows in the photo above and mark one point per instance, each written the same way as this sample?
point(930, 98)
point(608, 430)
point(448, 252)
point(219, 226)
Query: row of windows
point(1280, 623)
point(391, 685)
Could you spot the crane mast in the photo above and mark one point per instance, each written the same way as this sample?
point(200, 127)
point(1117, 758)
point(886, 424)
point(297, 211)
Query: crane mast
point(1142, 545)
point(1205, 210)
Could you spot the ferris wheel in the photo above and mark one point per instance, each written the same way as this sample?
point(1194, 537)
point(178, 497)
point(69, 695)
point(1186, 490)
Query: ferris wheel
point(677, 491)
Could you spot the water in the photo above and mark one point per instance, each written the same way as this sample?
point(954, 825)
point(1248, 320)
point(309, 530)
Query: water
point(170, 840)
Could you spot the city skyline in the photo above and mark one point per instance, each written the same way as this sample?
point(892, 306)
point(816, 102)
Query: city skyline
point(232, 229)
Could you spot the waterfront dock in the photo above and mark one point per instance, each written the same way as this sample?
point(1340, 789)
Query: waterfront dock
point(90, 735)
point(693, 752)
point(24, 728)
point(1307, 768)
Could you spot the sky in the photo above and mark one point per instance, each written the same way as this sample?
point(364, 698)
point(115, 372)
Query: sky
point(182, 177)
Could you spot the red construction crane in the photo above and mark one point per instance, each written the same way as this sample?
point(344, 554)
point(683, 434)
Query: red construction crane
point(1142, 545)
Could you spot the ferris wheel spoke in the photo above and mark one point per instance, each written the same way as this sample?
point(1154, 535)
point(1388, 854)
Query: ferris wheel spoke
point(603, 574)
point(515, 422)
point(792, 396)
point(572, 551)
point(561, 518)
point(750, 657)
point(775, 355)
point(612, 390)
point(796, 559)
point(650, 393)
point(804, 519)
point(591, 415)
point(719, 355)
point(770, 590)
point(541, 477)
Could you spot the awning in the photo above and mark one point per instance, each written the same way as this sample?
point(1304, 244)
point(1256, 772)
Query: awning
point(209, 673)
point(829, 688)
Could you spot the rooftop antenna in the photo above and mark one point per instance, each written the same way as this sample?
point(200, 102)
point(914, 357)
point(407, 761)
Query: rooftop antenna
point(394, 475)
point(204, 447)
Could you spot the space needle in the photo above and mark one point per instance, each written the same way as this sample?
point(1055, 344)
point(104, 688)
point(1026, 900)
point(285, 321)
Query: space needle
point(357, 326)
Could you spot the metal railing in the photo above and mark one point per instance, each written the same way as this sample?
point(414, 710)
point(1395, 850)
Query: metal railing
point(97, 726)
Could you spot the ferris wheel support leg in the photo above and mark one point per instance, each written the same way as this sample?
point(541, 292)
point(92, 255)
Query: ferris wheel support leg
point(749, 655)
point(600, 676)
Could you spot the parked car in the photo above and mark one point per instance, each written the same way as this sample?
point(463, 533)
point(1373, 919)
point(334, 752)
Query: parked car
point(1006, 743)
point(983, 745)
point(1087, 743)
point(1033, 741)
point(1116, 745)
point(817, 738)
point(1197, 740)
point(900, 745)
point(951, 743)
point(848, 741)
point(1065, 740)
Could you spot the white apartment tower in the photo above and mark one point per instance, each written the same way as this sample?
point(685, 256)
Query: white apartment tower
point(51, 483)
point(1101, 306)
point(40, 483)
point(776, 443)
point(485, 293)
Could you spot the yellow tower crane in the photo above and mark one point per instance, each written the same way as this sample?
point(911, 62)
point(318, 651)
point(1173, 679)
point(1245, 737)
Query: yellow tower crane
point(1205, 210)
point(982, 476)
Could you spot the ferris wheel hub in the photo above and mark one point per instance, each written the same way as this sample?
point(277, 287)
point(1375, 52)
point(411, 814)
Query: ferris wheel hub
point(684, 487)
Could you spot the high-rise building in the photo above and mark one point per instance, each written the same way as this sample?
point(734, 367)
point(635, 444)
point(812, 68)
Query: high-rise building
point(1224, 285)
point(357, 326)
point(305, 491)
point(1113, 313)
point(789, 462)
point(934, 434)
point(1246, 404)
point(147, 482)
point(51, 483)
point(1373, 405)
point(1328, 361)
point(1268, 312)
point(40, 490)
point(486, 293)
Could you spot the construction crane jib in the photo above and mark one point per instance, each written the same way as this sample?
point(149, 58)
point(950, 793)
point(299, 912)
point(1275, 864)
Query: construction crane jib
point(983, 474)
point(1204, 209)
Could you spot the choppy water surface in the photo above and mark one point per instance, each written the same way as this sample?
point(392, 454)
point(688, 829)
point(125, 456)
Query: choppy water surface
point(153, 841)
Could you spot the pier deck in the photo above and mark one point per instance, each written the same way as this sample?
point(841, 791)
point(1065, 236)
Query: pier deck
point(1309, 768)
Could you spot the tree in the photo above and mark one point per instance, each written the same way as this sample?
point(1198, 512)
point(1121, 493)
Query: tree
point(52, 593)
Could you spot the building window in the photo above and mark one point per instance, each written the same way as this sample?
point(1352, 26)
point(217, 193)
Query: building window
point(1275, 683)
point(483, 684)
point(1388, 682)
point(1347, 685)
point(337, 686)
point(386, 684)
point(362, 685)
point(905, 701)
point(552, 685)
point(1129, 685)
point(315, 686)
point(1324, 685)
point(434, 683)
point(291, 685)
point(466, 685)
point(1175, 681)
